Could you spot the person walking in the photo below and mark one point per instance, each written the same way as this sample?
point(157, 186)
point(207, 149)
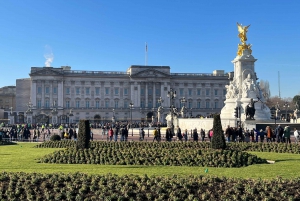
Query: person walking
point(296, 135)
point(287, 134)
point(228, 133)
point(155, 134)
point(142, 134)
point(269, 134)
point(202, 133)
point(195, 135)
point(185, 135)
point(168, 135)
point(179, 134)
point(110, 134)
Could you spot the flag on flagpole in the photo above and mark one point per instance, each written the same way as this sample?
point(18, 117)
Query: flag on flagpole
point(146, 48)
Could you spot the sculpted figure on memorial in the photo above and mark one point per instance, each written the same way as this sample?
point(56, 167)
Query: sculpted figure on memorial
point(249, 86)
point(183, 111)
point(296, 111)
point(232, 90)
point(160, 110)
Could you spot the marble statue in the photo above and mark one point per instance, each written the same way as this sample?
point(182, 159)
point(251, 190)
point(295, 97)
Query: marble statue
point(232, 90)
point(183, 111)
point(249, 87)
point(160, 110)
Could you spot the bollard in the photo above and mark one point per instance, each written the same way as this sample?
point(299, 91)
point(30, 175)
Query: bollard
point(131, 131)
point(148, 132)
point(191, 133)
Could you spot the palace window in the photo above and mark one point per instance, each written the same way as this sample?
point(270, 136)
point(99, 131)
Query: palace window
point(67, 104)
point(97, 104)
point(39, 103)
point(207, 92)
point(199, 104)
point(216, 92)
point(47, 91)
point(107, 104)
point(77, 104)
point(125, 91)
point(116, 91)
point(142, 104)
point(126, 104)
point(116, 103)
point(77, 91)
point(207, 104)
point(87, 91)
point(47, 103)
point(39, 90)
point(68, 90)
point(190, 105)
point(181, 92)
point(97, 91)
point(216, 104)
point(198, 92)
point(87, 104)
point(106, 90)
point(54, 90)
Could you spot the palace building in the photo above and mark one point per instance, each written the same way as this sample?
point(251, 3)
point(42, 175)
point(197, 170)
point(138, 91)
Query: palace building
point(63, 95)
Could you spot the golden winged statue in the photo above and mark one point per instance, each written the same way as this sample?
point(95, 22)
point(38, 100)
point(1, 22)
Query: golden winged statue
point(242, 32)
point(243, 36)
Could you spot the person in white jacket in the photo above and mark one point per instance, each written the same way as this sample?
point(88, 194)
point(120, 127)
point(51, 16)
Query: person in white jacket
point(296, 135)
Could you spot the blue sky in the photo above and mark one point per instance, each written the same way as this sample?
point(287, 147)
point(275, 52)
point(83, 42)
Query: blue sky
point(189, 36)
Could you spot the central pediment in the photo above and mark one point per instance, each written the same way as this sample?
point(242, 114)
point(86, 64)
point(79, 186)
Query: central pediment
point(46, 71)
point(150, 73)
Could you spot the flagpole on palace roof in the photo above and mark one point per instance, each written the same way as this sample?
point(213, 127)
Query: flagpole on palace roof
point(146, 53)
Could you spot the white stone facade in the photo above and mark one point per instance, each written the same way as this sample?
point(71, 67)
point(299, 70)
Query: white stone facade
point(100, 95)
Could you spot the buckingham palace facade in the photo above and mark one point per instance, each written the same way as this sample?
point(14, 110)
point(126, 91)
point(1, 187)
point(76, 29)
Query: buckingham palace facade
point(63, 95)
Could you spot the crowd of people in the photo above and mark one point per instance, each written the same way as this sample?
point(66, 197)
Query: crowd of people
point(279, 134)
point(119, 131)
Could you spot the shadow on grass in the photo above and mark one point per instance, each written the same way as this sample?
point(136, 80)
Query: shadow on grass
point(283, 160)
point(4, 143)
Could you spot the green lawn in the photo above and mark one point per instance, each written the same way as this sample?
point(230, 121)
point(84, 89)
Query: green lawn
point(21, 158)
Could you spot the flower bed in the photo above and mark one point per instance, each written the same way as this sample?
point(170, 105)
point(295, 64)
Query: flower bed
point(259, 147)
point(78, 186)
point(151, 154)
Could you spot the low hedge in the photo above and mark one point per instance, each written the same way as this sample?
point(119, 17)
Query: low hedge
point(79, 186)
point(113, 155)
point(242, 146)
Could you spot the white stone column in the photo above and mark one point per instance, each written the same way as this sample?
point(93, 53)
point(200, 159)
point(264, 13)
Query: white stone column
point(43, 94)
point(146, 95)
point(138, 95)
point(154, 96)
point(60, 94)
point(51, 93)
point(33, 93)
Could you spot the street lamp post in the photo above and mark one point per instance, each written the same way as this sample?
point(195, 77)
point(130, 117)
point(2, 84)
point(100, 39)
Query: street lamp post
point(131, 107)
point(286, 105)
point(172, 95)
point(277, 110)
point(273, 114)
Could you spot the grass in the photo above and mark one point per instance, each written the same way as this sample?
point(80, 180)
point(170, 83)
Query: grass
point(22, 158)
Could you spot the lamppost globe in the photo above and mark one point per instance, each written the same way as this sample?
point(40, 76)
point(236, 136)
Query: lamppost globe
point(286, 106)
point(172, 95)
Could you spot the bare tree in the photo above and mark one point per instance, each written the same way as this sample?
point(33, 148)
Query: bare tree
point(265, 88)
